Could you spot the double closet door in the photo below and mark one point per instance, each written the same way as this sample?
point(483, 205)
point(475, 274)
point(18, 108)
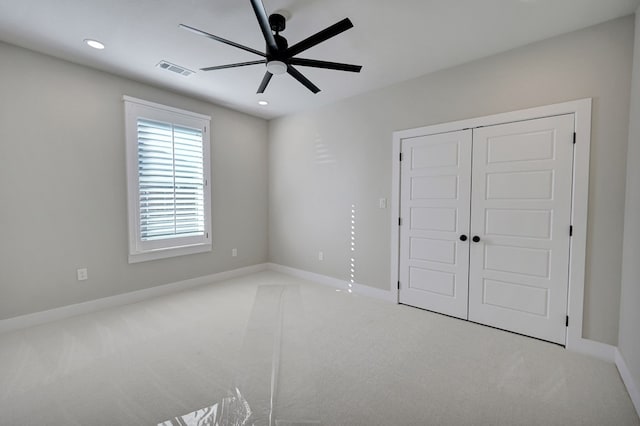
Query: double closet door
point(485, 232)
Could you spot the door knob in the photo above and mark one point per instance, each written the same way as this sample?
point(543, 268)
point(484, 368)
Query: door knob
point(476, 239)
point(463, 237)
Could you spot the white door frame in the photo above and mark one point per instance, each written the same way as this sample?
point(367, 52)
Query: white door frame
point(582, 111)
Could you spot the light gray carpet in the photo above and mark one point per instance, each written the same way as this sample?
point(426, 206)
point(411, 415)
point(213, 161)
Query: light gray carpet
point(271, 349)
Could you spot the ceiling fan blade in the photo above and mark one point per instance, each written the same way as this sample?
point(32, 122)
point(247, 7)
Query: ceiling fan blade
point(240, 64)
point(302, 79)
point(263, 21)
point(324, 64)
point(320, 36)
point(265, 82)
point(221, 40)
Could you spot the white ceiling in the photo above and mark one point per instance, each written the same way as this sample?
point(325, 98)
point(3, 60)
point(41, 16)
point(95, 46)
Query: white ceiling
point(393, 40)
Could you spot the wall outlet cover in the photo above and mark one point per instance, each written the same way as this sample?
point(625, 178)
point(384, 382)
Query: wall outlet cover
point(82, 274)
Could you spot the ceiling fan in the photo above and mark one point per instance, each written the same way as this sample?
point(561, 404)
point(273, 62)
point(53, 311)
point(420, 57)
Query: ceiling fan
point(279, 57)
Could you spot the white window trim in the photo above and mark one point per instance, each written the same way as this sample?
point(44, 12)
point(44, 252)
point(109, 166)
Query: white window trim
point(135, 108)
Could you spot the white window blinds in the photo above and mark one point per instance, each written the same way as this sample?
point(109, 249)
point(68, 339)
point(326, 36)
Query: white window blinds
point(168, 172)
point(171, 180)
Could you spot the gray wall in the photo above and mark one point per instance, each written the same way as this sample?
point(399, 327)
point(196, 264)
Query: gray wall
point(629, 339)
point(321, 162)
point(63, 188)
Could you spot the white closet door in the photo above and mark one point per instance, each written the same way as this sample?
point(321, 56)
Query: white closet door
point(435, 190)
point(521, 210)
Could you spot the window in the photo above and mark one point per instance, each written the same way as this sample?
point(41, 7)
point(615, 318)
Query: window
point(168, 170)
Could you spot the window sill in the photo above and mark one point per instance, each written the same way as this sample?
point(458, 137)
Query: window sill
point(168, 252)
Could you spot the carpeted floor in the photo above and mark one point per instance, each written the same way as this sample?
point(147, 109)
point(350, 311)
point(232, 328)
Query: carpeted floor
point(269, 349)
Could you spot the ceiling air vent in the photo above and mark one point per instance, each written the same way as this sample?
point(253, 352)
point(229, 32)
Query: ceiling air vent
point(174, 68)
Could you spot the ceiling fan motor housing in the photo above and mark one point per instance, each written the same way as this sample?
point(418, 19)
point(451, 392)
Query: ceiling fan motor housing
point(277, 22)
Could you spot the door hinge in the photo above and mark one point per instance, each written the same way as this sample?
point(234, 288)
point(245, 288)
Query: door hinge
point(399, 221)
point(400, 156)
point(398, 285)
point(571, 230)
point(574, 137)
point(566, 321)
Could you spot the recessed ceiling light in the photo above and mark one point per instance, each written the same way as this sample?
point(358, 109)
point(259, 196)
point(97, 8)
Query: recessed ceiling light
point(94, 43)
point(263, 103)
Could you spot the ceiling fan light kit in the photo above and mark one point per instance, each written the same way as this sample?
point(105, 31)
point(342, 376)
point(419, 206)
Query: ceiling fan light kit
point(278, 56)
point(276, 67)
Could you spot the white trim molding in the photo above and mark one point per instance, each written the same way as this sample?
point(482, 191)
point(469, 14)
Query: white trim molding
point(161, 107)
point(602, 351)
point(632, 387)
point(38, 318)
point(356, 288)
point(581, 109)
point(395, 215)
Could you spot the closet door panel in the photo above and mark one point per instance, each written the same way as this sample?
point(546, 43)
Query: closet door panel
point(521, 210)
point(435, 190)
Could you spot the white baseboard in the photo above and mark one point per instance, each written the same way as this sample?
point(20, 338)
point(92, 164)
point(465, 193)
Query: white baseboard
point(592, 348)
point(627, 378)
point(29, 320)
point(362, 289)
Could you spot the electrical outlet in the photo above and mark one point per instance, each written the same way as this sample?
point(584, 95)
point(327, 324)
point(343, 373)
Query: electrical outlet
point(382, 203)
point(234, 252)
point(82, 274)
point(320, 255)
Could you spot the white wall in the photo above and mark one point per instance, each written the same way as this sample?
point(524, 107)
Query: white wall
point(63, 189)
point(629, 338)
point(321, 162)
